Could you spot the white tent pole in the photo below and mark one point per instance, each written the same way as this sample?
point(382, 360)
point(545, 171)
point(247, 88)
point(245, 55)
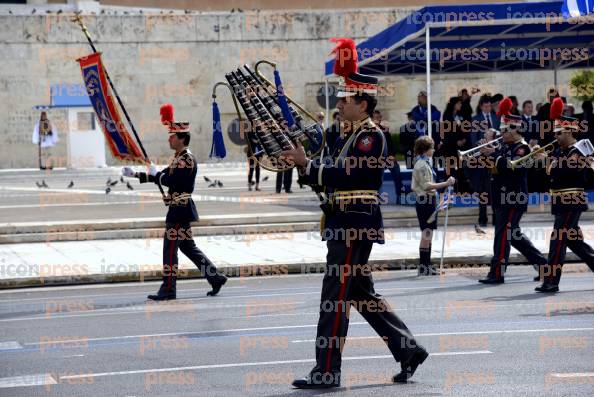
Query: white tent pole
point(555, 75)
point(428, 74)
point(327, 103)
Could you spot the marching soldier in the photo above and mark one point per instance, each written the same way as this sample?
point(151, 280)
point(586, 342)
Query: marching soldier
point(350, 179)
point(509, 195)
point(568, 178)
point(179, 176)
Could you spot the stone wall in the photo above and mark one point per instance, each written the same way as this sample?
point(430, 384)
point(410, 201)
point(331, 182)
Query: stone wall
point(158, 58)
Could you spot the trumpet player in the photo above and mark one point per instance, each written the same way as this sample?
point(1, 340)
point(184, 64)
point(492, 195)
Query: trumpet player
point(509, 196)
point(568, 177)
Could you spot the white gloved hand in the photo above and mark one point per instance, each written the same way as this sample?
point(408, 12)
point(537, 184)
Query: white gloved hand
point(128, 171)
point(152, 170)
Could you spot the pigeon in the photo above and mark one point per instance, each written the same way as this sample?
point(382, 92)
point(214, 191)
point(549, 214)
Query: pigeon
point(122, 179)
point(70, 184)
point(129, 186)
point(107, 190)
point(113, 183)
point(478, 230)
point(206, 179)
point(108, 182)
point(219, 184)
point(33, 12)
point(43, 183)
point(38, 184)
point(213, 184)
point(265, 178)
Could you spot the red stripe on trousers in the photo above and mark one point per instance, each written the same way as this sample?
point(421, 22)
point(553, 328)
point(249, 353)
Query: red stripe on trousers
point(558, 246)
point(503, 241)
point(340, 298)
point(171, 247)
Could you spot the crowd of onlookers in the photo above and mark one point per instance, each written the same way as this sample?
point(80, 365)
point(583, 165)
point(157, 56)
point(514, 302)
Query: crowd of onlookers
point(458, 128)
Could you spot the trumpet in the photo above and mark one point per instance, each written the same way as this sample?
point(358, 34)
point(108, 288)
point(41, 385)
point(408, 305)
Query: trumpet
point(549, 147)
point(476, 151)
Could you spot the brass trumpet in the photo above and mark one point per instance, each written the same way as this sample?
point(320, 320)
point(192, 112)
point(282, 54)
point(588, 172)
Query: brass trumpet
point(476, 151)
point(549, 147)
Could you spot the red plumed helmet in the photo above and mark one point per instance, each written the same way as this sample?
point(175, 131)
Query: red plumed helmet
point(505, 107)
point(346, 56)
point(556, 108)
point(167, 113)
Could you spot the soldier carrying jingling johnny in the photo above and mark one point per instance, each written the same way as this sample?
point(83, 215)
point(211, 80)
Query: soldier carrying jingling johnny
point(350, 179)
point(179, 176)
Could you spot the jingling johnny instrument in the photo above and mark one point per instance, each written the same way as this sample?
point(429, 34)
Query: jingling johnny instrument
point(273, 122)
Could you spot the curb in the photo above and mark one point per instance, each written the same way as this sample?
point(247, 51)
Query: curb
point(256, 270)
point(46, 232)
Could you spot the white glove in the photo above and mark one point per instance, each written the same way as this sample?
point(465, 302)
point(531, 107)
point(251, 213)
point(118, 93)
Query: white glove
point(128, 171)
point(152, 170)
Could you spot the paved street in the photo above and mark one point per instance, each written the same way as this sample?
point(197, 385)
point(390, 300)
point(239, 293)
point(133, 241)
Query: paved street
point(258, 334)
point(23, 201)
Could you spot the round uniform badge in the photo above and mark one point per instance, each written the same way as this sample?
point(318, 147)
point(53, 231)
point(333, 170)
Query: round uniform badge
point(365, 144)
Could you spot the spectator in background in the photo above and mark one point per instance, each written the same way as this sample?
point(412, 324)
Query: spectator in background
point(253, 164)
point(537, 176)
point(495, 99)
point(395, 169)
point(545, 128)
point(480, 178)
point(456, 137)
point(569, 110)
point(466, 98)
point(586, 119)
point(514, 110)
point(419, 114)
point(333, 132)
point(408, 135)
point(530, 124)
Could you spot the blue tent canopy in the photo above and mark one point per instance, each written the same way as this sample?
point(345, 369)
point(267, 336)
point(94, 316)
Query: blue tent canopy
point(482, 37)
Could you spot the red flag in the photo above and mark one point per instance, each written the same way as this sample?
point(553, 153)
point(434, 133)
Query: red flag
point(120, 142)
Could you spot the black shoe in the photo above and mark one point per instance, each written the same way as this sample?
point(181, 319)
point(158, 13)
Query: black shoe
point(216, 285)
point(548, 288)
point(318, 381)
point(288, 191)
point(409, 367)
point(422, 270)
point(158, 297)
point(492, 280)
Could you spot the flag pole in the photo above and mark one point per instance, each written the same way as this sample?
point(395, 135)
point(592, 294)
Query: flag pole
point(445, 230)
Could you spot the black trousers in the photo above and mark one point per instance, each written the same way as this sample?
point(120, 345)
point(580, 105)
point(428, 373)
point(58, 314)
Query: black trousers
point(179, 235)
point(253, 165)
point(348, 282)
point(284, 178)
point(508, 234)
point(566, 233)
